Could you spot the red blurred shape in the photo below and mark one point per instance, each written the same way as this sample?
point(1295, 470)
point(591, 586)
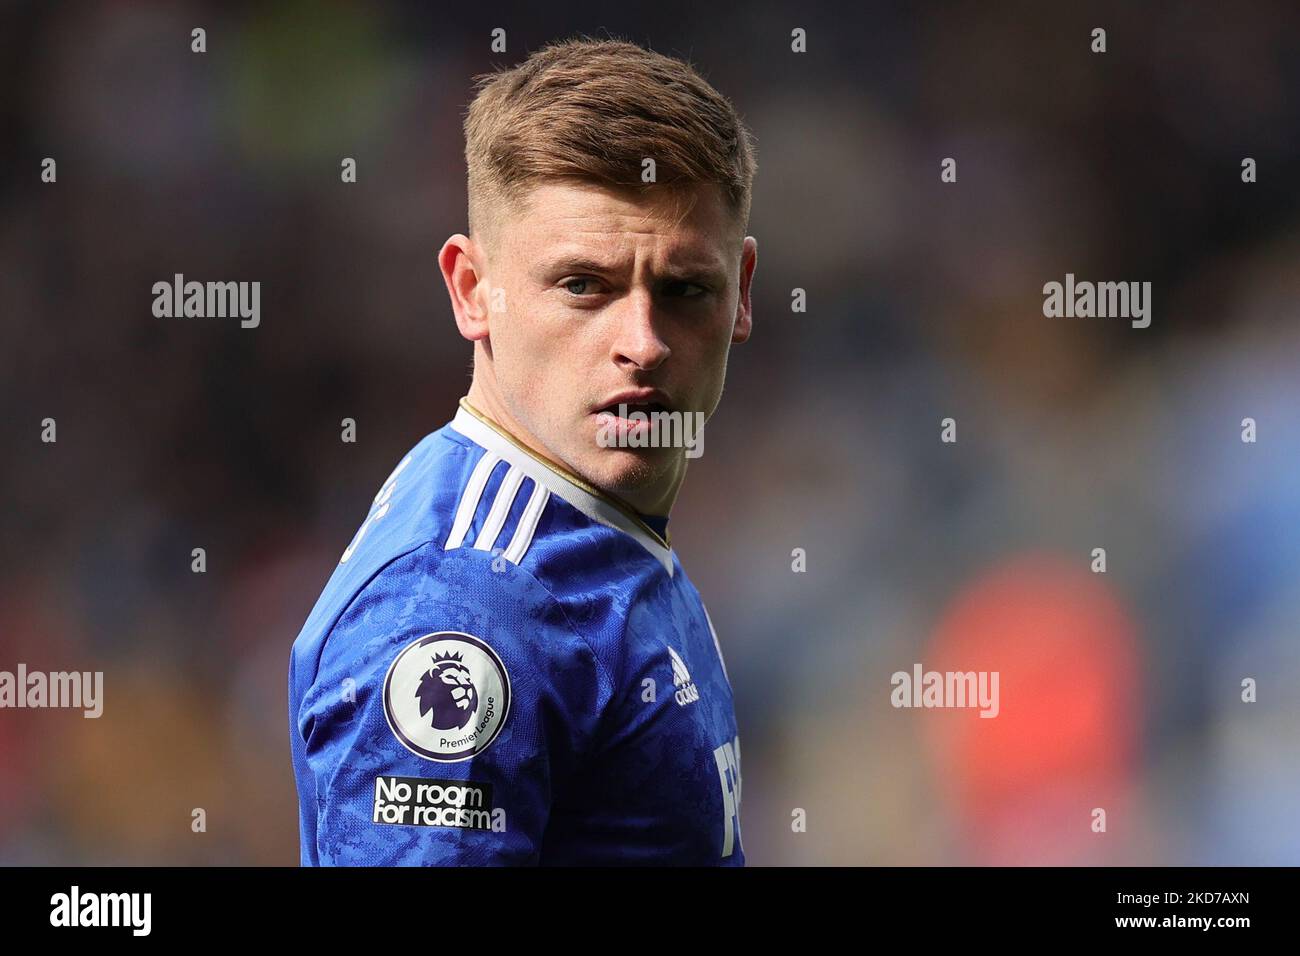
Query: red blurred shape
point(1024, 784)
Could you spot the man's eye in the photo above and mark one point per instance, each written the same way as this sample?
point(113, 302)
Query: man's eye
point(683, 289)
point(579, 286)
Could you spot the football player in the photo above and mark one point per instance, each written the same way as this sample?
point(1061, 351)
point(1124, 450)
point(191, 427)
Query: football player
point(509, 664)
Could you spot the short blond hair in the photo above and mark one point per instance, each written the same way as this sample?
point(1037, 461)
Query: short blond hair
point(592, 110)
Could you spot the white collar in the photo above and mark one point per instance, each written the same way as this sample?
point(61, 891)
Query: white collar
point(595, 504)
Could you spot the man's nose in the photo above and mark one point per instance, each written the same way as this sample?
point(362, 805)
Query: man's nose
point(636, 341)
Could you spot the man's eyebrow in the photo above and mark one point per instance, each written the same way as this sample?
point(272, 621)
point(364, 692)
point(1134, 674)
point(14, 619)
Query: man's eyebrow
point(575, 263)
point(692, 267)
point(685, 267)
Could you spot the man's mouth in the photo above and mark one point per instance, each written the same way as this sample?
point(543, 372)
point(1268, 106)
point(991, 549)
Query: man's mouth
point(624, 409)
point(629, 419)
point(630, 401)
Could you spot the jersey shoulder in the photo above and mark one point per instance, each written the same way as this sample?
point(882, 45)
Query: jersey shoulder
point(476, 526)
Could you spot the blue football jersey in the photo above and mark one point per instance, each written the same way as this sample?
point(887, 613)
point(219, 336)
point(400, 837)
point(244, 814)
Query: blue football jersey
point(509, 667)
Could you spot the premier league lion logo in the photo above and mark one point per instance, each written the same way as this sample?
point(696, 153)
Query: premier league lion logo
point(446, 696)
point(447, 689)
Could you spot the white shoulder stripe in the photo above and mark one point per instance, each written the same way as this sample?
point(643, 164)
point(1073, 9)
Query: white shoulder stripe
point(469, 500)
point(523, 535)
point(487, 437)
point(487, 537)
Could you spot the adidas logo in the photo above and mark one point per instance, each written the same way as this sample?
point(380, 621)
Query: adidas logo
point(686, 690)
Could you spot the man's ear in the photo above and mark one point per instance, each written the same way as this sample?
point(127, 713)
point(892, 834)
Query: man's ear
point(464, 269)
point(744, 306)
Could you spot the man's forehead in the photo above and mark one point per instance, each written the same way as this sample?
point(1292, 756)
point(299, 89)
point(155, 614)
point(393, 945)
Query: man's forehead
point(581, 210)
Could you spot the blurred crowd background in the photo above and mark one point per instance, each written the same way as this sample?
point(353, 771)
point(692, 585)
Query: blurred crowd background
point(1119, 690)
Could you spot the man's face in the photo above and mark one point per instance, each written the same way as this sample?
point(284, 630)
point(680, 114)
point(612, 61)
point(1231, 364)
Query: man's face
point(611, 297)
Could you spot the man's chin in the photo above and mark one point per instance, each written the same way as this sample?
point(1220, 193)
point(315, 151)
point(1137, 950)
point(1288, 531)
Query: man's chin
point(628, 471)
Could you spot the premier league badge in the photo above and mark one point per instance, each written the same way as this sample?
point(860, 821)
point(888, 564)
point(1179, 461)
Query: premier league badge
point(446, 696)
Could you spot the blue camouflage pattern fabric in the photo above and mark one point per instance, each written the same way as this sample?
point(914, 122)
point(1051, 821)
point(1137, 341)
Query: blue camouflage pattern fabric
point(508, 667)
